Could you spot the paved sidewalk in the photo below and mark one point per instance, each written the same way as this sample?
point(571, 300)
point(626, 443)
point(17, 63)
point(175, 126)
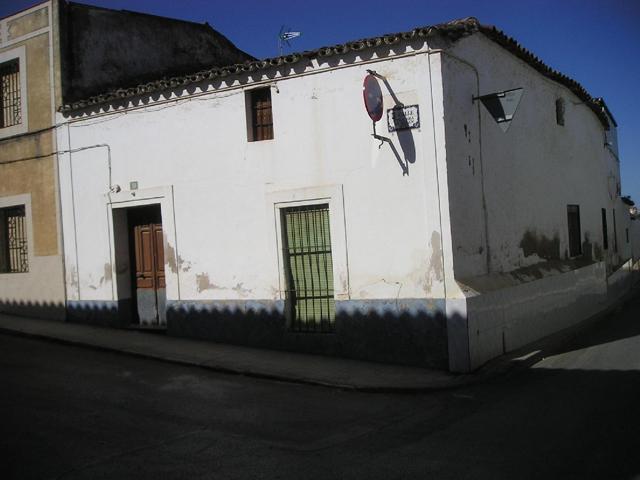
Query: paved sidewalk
point(295, 367)
point(285, 366)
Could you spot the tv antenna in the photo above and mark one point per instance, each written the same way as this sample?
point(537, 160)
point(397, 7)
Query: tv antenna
point(284, 36)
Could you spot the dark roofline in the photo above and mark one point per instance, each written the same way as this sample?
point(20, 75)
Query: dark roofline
point(132, 12)
point(512, 46)
point(602, 104)
point(452, 31)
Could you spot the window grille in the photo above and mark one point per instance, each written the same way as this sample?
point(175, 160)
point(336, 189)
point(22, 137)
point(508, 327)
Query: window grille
point(261, 114)
point(10, 102)
point(575, 237)
point(308, 268)
point(14, 256)
point(605, 234)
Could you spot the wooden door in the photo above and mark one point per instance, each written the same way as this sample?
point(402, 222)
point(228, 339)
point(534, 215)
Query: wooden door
point(150, 277)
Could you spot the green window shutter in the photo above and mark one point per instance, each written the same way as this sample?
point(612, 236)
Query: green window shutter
point(309, 268)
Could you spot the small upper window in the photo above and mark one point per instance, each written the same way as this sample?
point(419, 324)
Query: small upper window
point(10, 95)
point(560, 111)
point(259, 115)
point(14, 255)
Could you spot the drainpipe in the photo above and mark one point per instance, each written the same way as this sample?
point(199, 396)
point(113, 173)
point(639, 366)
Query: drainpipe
point(458, 335)
point(70, 151)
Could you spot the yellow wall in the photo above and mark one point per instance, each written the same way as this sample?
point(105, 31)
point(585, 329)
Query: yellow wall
point(36, 176)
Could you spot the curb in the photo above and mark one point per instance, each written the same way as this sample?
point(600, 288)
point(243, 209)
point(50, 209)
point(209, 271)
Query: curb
point(506, 364)
point(469, 378)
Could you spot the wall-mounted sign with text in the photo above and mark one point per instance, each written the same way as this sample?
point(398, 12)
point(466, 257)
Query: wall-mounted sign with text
point(403, 117)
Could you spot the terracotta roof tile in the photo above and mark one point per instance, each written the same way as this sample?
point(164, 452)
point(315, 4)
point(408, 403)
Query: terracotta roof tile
point(452, 31)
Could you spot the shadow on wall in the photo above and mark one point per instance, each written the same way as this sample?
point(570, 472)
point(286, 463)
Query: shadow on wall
point(405, 136)
point(46, 310)
point(106, 314)
point(385, 332)
point(382, 334)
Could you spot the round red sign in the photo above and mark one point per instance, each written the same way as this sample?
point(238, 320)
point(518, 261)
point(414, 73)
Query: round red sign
point(372, 97)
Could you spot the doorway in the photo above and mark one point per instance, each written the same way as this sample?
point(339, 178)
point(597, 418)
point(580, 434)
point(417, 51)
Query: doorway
point(146, 260)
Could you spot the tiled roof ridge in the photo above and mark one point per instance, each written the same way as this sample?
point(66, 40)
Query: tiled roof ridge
point(598, 105)
point(453, 30)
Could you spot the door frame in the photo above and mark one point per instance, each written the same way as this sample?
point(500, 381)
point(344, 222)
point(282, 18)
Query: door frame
point(164, 197)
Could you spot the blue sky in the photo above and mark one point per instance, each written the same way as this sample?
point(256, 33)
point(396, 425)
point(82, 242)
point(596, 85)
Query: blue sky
point(596, 42)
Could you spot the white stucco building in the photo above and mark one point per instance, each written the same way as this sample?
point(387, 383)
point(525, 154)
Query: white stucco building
point(252, 205)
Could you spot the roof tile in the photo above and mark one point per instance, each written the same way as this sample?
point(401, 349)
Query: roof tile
point(453, 31)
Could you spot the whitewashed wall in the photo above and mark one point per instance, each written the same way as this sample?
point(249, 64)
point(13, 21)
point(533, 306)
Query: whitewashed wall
point(223, 186)
point(218, 191)
point(513, 187)
point(531, 172)
point(456, 220)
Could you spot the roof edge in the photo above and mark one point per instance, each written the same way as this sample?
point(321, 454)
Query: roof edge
point(453, 31)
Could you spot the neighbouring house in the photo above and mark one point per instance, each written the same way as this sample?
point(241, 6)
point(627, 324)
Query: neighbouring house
point(53, 53)
point(252, 204)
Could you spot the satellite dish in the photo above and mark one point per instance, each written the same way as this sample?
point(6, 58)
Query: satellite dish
point(372, 95)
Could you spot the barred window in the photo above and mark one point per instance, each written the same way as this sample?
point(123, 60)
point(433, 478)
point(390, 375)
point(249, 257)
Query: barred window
point(308, 266)
point(573, 219)
point(10, 101)
point(14, 257)
point(260, 116)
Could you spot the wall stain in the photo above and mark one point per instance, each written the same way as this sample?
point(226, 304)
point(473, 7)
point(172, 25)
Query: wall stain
point(171, 258)
point(184, 265)
point(241, 290)
point(275, 292)
point(343, 284)
point(436, 256)
point(435, 271)
point(203, 283)
point(72, 274)
point(108, 272)
point(176, 262)
point(541, 245)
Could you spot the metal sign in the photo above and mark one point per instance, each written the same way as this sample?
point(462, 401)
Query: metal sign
point(372, 95)
point(502, 105)
point(403, 117)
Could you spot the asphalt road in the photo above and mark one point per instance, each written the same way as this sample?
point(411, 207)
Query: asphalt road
point(70, 413)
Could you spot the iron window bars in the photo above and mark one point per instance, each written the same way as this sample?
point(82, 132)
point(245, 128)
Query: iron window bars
point(10, 101)
point(308, 266)
point(14, 254)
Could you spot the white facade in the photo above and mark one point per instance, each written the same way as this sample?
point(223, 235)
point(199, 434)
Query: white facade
point(421, 238)
point(509, 194)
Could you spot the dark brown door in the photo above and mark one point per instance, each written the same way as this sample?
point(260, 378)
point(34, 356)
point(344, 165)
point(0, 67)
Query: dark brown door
point(158, 254)
point(149, 256)
point(150, 278)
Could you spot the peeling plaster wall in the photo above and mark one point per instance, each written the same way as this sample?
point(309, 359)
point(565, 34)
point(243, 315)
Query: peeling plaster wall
point(222, 237)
